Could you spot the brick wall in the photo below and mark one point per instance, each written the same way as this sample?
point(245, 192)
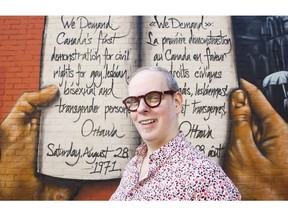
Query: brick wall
point(20, 49)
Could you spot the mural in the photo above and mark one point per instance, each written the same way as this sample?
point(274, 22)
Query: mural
point(261, 50)
point(65, 133)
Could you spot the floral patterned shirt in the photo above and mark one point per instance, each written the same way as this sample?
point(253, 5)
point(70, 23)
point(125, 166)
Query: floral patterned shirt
point(177, 171)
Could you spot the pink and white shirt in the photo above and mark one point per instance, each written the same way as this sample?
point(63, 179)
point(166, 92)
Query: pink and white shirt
point(177, 171)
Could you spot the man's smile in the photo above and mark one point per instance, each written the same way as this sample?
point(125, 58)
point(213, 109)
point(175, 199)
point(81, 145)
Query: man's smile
point(147, 121)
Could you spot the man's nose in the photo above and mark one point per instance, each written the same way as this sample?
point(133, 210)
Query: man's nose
point(143, 107)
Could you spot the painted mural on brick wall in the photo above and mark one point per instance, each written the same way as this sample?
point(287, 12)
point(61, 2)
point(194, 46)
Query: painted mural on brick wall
point(66, 134)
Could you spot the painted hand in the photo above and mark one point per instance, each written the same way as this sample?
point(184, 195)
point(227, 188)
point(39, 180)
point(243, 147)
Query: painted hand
point(18, 145)
point(257, 156)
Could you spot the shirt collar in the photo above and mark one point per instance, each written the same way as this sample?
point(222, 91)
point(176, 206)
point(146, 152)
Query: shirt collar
point(161, 155)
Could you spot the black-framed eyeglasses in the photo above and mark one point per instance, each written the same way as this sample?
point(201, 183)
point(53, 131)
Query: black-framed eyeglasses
point(152, 99)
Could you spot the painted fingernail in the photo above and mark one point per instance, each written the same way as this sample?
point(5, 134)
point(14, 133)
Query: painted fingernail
point(239, 99)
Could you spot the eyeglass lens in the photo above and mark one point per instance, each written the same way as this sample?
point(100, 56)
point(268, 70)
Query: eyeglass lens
point(152, 99)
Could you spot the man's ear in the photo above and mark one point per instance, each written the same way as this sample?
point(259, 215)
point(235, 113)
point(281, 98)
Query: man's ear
point(178, 100)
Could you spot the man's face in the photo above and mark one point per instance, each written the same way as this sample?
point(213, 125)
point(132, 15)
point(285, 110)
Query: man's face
point(160, 124)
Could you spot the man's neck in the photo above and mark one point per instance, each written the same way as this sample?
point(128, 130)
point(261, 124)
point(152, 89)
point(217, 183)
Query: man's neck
point(157, 144)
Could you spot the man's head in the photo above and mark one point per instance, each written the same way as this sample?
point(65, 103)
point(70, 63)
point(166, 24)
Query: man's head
point(155, 115)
